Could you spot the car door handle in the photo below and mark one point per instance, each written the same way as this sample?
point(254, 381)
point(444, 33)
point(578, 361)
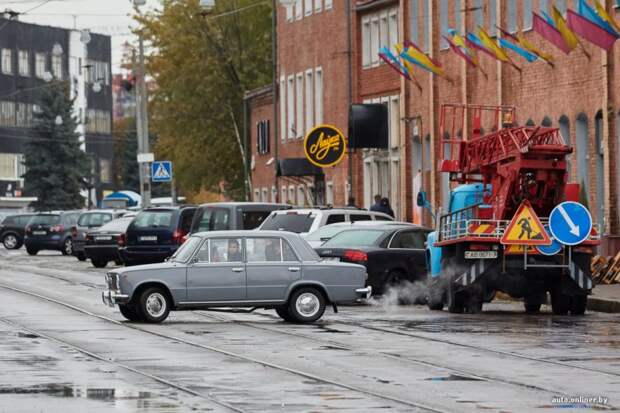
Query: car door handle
point(293, 269)
point(237, 269)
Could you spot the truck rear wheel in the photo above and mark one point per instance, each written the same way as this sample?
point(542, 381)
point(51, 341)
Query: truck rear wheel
point(578, 304)
point(560, 303)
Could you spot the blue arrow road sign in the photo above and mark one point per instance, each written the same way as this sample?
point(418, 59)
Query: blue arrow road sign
point(552, 249)
point(570, 223)
point(161, 171)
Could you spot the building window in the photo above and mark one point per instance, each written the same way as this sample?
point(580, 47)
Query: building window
point(393, 28)
point(265, 195)
point(291, 194)
point(7, 114)
point(98, 121)
point(415, 37)
point(308, 7)
point(394, 122)
point(329, 193)
point(492, 4)
point(328, 4)
point(426, 16)
point(283, 131)
point(512, 16)
point(443, 19)
point(22, 115)
point(10, 166)
point(527, 14)
point(57, 67)
point(562, 6)
point(309, 100)
point(290, 103)
point(301, 196)
point(262, 137)
point(478, 13)
point(366, 51)
point(283, 195)
point(299, 95)
point(256, 195)
point(274, 192)
point(39, 65)
point(23, 63)
point(582, 143)
point(543, 6)
point(298, 10)
point(289, 13)
point(318, 5)
point(7, 61)
point(374, 40)
point(384, 34)
point(457, 15)
point(318, 95)
point(599, 161)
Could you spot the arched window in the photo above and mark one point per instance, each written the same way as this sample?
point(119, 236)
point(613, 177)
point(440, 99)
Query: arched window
point(546, 122)
point(581, 151)
point(565, 132)
point(599, 203)
point(530, 122)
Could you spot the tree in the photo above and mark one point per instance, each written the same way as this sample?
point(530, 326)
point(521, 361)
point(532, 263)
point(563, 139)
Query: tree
point(202, 66)
point(56, 168)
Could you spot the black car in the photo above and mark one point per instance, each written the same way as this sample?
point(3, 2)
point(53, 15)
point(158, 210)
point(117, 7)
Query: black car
point(392, 254)
point(12, 230)
point(51, 231)
point(156, 233)
point(102, 244)
point(226, 216)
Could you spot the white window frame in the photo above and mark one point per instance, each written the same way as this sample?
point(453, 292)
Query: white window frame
point(394, 112)
point(328, 4)
point(308, 7)
point(299, 13)
point(384, 33)
point(274, 193)
point(291, 195)
point(318, 95)
point(366, 51)
point(309, 99)
point(299, 103)
point(7, 61)
point(329, 193)
point(256, 195)
point(290, 103)
point(374, 41)
point(301, 196)
point(39, 65)
point(23, 63)
point(289, 13)
point(283, 103)
point(318, 6)
point(264, 194)
point(393, 27)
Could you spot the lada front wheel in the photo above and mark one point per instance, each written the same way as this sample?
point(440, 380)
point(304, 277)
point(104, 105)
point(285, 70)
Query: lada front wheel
point(306, 305)
point(154, 305)
point(130, 312)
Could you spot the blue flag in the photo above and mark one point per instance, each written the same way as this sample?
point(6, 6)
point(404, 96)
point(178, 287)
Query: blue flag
point(530, 57)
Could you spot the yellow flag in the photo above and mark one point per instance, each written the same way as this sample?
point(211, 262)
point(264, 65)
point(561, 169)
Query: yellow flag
point(600, 10)
point(491, 45)
point(560, 24)
point(424, 60)
point(530, 47)
point(399, 51)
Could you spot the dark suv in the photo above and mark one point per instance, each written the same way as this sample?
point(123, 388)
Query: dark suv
point(156, 233)
point(51, 231)
point(12, 230)
point(225, 216)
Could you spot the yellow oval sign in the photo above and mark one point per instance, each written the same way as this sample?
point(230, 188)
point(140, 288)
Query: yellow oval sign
point(324, 146)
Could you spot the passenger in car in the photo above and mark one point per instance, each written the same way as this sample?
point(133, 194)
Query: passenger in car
point(234, 252)
point(272, 250)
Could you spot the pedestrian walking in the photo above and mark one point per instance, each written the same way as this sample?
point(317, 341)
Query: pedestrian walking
point(386, 208)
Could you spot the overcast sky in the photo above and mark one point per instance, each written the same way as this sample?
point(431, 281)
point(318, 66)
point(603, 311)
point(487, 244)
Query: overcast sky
point(101, 16)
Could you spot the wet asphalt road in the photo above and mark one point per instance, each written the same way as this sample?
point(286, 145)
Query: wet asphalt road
point(62, 350)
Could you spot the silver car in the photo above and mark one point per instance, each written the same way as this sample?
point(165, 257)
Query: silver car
point(267, 269)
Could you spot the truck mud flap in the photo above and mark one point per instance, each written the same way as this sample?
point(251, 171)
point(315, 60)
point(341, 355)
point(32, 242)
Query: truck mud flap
point(580, 277)
point(470, 275)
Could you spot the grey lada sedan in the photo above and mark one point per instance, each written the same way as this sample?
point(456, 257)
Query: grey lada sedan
point(267, 269)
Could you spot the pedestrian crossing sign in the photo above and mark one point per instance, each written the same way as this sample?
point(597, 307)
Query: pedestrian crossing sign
point(161, 171)
point(525, 228)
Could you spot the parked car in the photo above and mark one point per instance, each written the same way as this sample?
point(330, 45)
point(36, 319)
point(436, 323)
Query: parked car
point(87, 221)
point(270, 269)
point(12, 230)
point(325, 233)
point(304, 221)
point(102, 244)
point(156, 233)
point(51, 231)
point(224, 216)
point(391, 254)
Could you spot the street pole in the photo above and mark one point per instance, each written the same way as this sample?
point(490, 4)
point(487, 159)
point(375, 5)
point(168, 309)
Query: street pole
point(275, 93)
point(142, 126)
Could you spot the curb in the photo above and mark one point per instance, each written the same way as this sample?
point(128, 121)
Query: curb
point(603, 305)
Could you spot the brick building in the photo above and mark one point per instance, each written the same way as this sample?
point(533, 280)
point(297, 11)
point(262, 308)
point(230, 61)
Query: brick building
point(576, 94)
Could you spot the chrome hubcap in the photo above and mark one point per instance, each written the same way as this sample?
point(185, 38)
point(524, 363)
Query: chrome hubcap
point(10, 241)
point(307, 304)
point(155, 305)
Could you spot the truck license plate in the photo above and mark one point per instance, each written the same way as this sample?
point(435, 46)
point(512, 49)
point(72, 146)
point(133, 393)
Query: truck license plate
point(480, 255)
point(149, 238)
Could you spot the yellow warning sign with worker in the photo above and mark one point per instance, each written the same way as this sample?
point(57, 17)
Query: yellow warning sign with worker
point(525, 228)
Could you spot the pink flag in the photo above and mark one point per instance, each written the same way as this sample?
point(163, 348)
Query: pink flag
point(590, 31)
point(549, 32)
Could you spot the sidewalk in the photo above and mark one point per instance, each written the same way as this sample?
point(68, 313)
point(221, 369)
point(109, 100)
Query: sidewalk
point(605, 298)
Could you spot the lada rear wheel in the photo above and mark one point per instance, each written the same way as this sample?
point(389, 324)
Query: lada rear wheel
point(130, 312)
point(306, 305)
point(154, 305)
